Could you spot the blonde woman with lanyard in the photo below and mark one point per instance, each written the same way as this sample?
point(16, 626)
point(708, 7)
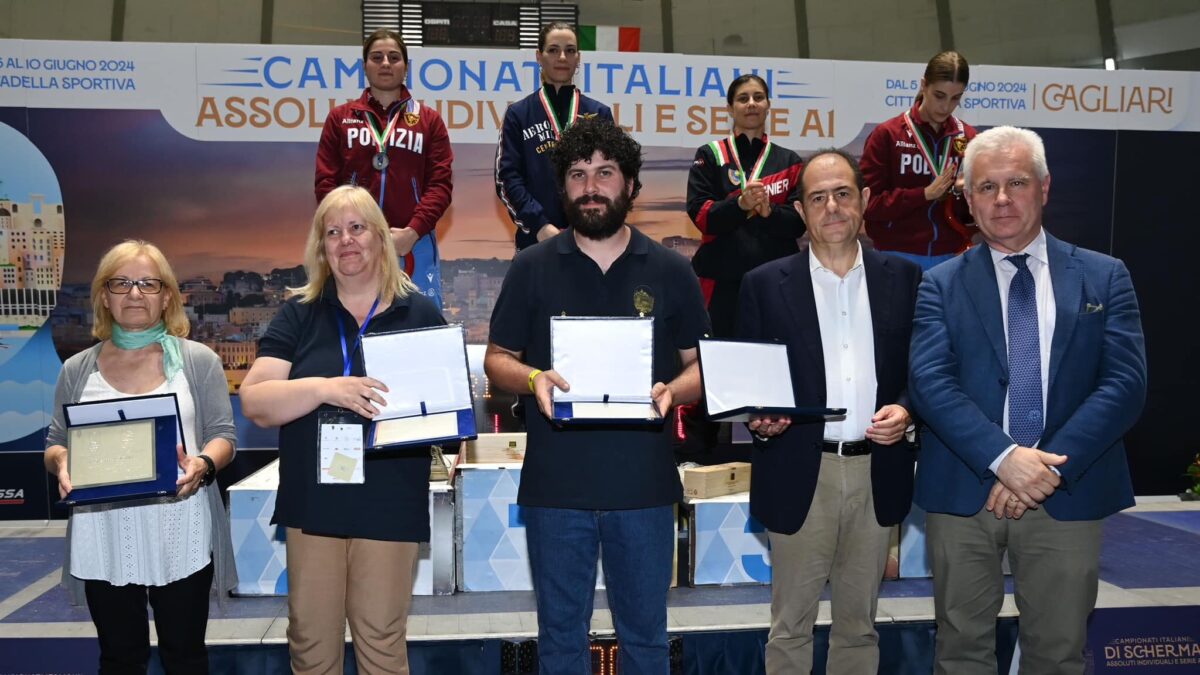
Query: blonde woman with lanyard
point(911, 164)
point(354, 520)
point(165, 552)
point(740, 194)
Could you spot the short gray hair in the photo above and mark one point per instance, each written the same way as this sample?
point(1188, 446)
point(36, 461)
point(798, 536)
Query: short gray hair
point(998, 139)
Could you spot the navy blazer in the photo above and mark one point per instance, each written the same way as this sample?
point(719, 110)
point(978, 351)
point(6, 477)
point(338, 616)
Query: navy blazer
point(777, 303)
point(525, 180)
point(959, 381)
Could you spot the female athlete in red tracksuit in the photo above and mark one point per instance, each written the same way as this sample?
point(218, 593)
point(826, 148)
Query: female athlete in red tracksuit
point(911, 164)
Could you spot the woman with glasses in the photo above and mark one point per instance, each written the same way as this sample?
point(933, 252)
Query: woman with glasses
point(165, 551)
point(396, 148)
point(353, 519)
point(740, 193)
point(911, 163)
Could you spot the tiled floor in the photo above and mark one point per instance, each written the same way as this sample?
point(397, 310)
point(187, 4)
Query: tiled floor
point(1151, 557)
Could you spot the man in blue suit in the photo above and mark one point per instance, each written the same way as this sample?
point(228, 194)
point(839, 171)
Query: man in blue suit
point(829, 491)
point(1027, 366)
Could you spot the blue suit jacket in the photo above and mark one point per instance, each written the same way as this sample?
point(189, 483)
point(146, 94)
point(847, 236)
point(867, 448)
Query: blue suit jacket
point(958, 382)
point(777, 303)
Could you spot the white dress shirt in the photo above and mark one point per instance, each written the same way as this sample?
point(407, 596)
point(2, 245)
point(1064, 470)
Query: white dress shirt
point(848, 346)
point(1039, 267)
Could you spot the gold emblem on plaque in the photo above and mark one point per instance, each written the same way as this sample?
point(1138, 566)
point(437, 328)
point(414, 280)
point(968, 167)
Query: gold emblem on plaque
point(643, 302)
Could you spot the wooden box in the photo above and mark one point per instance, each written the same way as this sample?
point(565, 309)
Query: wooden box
point(494, 449)
point(716, 480)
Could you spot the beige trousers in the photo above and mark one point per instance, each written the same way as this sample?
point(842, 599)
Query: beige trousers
point(840, 543)
point(335, 579)
point(1056, 571)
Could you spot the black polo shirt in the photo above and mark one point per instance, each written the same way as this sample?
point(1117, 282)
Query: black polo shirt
point(600, 466)
point(392, 504)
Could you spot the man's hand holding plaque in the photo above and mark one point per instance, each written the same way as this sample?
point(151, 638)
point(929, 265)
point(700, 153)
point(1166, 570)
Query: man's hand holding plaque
point(609, 363)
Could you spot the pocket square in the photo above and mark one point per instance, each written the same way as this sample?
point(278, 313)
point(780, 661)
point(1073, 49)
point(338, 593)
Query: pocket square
point(1089, 308)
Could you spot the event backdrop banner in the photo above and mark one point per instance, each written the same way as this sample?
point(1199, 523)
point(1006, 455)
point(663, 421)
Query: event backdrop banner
point(282, 93)
point(1144, 640)
point(208, 151)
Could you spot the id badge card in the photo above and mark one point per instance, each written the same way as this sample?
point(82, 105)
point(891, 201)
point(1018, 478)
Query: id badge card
point(341, 442)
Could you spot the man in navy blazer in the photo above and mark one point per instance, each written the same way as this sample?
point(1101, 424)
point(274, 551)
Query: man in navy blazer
point(828, 491)
point(1027, 366)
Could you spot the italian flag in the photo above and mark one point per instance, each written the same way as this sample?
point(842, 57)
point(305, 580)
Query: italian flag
point(610, 38)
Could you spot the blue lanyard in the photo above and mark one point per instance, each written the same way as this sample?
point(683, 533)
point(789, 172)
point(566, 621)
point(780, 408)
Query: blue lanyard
point(346, 352)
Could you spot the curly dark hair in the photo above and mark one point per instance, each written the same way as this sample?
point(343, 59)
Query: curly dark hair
point(582, 139)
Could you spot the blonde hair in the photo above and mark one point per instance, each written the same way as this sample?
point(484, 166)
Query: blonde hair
point(393, 282)
point(173, 315)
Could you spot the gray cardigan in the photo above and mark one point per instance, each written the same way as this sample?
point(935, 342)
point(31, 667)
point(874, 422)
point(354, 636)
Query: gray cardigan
point(214, 419)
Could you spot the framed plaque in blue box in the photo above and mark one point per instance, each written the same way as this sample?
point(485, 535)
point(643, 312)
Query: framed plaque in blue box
point(127, 409)
point(122, 460)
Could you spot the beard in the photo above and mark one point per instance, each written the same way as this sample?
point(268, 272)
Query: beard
point(596, 224)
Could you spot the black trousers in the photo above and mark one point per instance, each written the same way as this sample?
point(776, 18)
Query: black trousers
point(180, 617)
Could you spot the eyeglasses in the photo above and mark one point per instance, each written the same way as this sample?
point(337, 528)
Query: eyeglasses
point(122, 286)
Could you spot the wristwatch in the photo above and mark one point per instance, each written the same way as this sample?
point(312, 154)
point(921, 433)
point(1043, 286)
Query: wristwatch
point(211, 474)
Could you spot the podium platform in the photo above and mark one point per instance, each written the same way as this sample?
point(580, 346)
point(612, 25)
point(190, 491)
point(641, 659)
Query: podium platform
point(260, 553)
point(1149, 604)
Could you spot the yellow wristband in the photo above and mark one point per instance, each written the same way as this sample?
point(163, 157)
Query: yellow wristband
point(532, 376)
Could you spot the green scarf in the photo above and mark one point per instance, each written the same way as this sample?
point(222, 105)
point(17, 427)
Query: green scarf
point(172, 357)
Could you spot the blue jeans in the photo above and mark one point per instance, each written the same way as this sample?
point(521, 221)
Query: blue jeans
point(925, 261)
point(636, 547)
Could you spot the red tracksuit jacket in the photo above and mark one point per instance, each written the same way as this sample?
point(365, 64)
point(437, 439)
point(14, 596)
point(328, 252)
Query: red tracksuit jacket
point(898, 216)
point(417, 183)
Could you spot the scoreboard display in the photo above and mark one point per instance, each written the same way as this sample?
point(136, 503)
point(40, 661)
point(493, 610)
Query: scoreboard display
point(476, 24)
point(465, 24)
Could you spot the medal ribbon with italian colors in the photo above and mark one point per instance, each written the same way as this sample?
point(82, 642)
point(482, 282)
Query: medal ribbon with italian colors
point(381, 139)
point(732, 157)
point(947, 202)
point(572, 112)
point(926, 150)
